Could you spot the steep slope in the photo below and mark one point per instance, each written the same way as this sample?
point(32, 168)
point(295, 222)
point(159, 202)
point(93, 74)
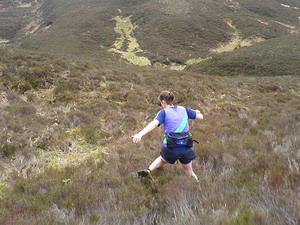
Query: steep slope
point(13, 16)
point(67, 156)
point(278, 52)
point(167, 31)
point(276, 57)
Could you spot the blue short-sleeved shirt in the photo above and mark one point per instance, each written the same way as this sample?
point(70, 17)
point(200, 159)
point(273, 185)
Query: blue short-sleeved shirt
point(173, 117)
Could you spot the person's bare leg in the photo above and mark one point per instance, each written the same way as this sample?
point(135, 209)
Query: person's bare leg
point(158, 162)
point(189, 170)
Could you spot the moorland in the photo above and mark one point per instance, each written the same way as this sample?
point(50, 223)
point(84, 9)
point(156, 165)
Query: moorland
point(79, 77)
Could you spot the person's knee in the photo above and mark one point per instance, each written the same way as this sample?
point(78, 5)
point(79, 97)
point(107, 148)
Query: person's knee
point(162, 159)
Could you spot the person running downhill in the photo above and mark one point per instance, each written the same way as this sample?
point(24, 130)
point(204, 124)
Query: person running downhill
point(178, 144)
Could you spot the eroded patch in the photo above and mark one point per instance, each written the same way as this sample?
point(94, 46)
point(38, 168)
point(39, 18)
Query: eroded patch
point(4, 41)
point(286, 25)
point(173, 7)
point(284, 5)
point(36, 22)
point(28, 5)
point(237, 41)
point(233, 4)
point(262, 22)
point(124, 28)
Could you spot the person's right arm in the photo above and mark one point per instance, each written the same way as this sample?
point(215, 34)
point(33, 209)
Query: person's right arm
point(159, 119)
point(151, 126)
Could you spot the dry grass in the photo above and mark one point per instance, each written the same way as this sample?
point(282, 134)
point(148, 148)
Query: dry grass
point(67, 155)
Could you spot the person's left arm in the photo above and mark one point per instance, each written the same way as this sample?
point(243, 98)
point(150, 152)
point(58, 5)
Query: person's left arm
point(194, 114)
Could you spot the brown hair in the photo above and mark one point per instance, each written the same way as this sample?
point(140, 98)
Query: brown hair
point(168, 96)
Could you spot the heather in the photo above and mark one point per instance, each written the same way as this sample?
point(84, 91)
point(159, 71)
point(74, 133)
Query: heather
point(67, 155)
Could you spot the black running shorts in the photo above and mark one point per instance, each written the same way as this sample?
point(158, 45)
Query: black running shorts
point(184, 154)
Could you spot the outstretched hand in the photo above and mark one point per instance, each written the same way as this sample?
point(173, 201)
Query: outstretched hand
point(136, 138)
point(199, 115)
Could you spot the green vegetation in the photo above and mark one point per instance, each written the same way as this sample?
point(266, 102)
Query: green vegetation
point(194, 61)
point(125, 28)
point(67, 116)
point(75, 160)
point(236, 41)
point(167, 33)
point(276, 57)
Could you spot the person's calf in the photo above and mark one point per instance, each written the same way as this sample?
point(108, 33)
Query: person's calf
point(189, 170)
point(158, 162)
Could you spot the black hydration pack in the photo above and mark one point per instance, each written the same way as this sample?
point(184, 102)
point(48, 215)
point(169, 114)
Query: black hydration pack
point(179, 139)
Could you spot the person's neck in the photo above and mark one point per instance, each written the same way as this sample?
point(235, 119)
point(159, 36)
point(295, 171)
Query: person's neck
point(169, 106)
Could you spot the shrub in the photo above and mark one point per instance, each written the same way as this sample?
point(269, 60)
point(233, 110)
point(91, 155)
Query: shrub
point(277, 172)
point(22, 109)
point(8, 150)
point(247, 216)
point(78, 117)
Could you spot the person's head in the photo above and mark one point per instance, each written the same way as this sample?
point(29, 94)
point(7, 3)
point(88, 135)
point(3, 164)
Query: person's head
point(166, 98)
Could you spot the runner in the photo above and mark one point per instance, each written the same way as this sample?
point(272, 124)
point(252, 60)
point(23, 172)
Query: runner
point(178, 144)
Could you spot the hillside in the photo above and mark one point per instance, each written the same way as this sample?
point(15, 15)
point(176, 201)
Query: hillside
point(276, 57)
point(78, 78)
point(67, 155)
point(168, 32)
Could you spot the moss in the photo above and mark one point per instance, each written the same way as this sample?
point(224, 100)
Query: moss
point(294, 92)
point(80, 152)
point(65, 181)
point(194, 61)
